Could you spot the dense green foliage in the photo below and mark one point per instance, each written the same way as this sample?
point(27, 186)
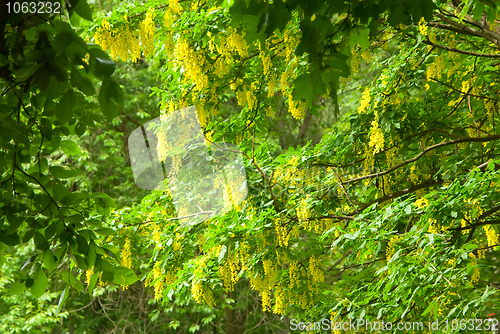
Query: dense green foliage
point(368, 131)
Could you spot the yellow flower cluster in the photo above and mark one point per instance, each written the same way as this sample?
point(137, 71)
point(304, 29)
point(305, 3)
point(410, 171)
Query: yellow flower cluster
point(365, 101)
point(147, 28)
point(162, 146)
point(391, 247)
point(271, 85)
point(490, 107)
point(281, 233)
point(422, 26)
point(315, 271)
point(101, 282)
point(333, 315)
point(203, 116)
point(366, 55)
point(432, 227)
point(435, 69)
point(126, 260)
point(303, 211)
point(414, 174)
point(157, 274)
point(296, 108)
point(269, 272)
point(290, 42)
point(177, 244)
point(193, 64)
point(266, 62)
point(376, 136)
point(220, 68)
point(294, 273)
point(266, 300)
point(121, 42)
point(229, 274)
point(279, 300)
point(175, 168)
point(202, 293)
point(234, 42)
point(421, 203)
point(89, 273)
point(287, 76)
point(491, 235)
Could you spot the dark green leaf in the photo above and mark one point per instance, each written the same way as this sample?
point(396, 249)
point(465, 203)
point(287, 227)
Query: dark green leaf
point(83, 247)
point(64, 171)
point(82, 83)
point(11, 239)
point(40, 241)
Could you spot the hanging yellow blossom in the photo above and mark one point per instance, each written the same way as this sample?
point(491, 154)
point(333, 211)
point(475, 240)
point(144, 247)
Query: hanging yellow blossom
point(147, 28)
point(89, 273)
point(279, 301)
point(365, 101)
point(491, 235)
point(296, 108)
point(422, 26)
point(421, 203)
point(376, 137)
point(126, 260)
point(315, 271)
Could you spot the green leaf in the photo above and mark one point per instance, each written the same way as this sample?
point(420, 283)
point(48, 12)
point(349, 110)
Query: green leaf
point(124, 276)
point(83, 247)
point(62, 298)
point(40, 285)
point(105, 231)
point(14, 223)
point(70, 147)
point(65, 171)
point(103, 67)
point(80, 262)
point(82, 83)
point(10, 239)
point(222, 253)
point(65, 107)
point(17, 288)
point(103, 202)
point(82, 8)
point(74, 198)
point(27, 70)
point(92, 283)
point(80, 128)
point(491, 165)
point(63, 39)
point(48, 260)
point(40, 241)
point(91, 254)
point(3, 60)
point(306, 86)
point(110, 95)
point(359, 36)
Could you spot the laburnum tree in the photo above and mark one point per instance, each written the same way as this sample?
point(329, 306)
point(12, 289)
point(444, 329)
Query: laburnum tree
point(392, 215)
